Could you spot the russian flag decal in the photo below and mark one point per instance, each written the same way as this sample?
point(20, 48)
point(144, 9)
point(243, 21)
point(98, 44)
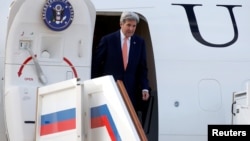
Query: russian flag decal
point(100, 116)
point(58, 122)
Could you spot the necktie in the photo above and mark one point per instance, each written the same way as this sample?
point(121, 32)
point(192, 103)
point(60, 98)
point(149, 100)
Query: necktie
point(125, 53)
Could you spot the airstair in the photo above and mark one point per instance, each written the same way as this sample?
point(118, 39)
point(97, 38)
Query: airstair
point(240, 106)
point(93, 110)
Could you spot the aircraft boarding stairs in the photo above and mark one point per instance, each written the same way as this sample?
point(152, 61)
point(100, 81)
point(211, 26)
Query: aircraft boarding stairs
point(240, 106)
point(93, 110)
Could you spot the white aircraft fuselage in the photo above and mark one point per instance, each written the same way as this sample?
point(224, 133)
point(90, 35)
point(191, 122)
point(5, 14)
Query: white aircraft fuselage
point(197, 51)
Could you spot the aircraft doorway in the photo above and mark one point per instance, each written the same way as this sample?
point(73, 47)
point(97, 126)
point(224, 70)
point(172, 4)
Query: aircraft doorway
point(109, 22)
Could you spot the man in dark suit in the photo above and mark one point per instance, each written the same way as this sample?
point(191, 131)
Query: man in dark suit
point(132, 70)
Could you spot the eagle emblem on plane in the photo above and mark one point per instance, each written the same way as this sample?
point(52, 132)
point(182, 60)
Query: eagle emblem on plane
point(58, 14)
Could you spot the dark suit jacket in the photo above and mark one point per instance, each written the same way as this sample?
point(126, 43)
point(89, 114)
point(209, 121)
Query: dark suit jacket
point(107, 60)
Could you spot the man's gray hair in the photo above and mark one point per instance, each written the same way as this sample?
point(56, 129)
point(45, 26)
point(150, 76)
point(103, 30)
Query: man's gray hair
point(127, 15)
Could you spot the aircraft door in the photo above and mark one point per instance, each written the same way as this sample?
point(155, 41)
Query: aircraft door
point(47, 42)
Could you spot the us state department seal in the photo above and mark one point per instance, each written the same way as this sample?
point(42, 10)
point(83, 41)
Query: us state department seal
point(58, 14)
